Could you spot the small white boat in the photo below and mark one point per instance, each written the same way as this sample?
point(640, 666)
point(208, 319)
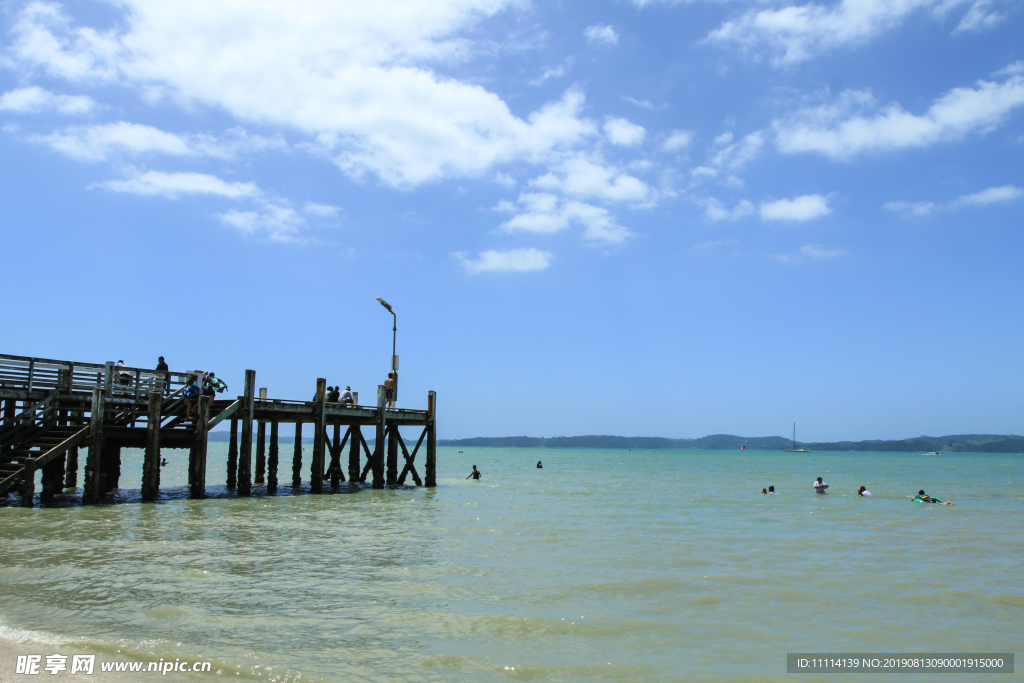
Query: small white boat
point(794, 449)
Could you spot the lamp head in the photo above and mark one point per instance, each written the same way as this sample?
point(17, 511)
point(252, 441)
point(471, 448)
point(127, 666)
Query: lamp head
point(383, 303)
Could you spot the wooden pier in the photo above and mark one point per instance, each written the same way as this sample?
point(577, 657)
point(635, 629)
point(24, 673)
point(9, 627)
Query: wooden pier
point(52, 408)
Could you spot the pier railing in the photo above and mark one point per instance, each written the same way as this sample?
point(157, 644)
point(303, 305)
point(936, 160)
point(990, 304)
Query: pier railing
point(34, 376)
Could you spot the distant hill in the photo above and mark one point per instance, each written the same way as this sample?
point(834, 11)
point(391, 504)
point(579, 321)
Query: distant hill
point(962, 443)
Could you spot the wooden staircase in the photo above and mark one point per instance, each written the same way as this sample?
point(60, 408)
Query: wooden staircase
point(33, 441)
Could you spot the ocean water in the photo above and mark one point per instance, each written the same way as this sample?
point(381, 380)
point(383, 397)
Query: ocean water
point(605, 566)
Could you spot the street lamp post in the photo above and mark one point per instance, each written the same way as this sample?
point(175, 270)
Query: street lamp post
point(394, 330)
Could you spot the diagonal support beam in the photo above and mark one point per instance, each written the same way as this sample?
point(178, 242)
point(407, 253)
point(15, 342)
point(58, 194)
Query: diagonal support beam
point(409, 467)
point(224, 414)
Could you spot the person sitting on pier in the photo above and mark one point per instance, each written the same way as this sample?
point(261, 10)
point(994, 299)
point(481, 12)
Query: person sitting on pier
point(475, 474)
point(346, 396)
point(333, 394)
point(123, 377)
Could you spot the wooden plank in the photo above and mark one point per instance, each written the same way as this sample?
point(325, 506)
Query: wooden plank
point(151, 459)
point(245, 448)
point(91, 490)
point(431, 470)
point(272, 462)
point(316, 480)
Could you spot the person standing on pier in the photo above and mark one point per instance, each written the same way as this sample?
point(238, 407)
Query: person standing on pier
point(389, 390)
point(161, 366)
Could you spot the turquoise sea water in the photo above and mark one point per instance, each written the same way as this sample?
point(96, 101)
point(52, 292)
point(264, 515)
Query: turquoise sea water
point(606, 565)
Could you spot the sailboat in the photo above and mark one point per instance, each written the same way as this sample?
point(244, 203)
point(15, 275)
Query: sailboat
point(794, 449)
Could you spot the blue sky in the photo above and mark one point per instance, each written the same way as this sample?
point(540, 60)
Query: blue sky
point(638, 217)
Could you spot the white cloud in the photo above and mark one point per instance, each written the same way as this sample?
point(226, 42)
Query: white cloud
point(911, 208)
point(623, 133)
point(553, 72)
point(111, 140)
point(34, 99)
point(726, 155)
point(643, 104)
point(677, 141)
point(817, 251)
point(795, 33)
point(1011, 69)
point(715, 244)
point(505, 180)
point(733, 155)
point(805, 208)
point(544, 213)
point(992, 195)
point(97, 143)
point(513, 260)
point(356, 80)
point(716, 211)
point(320, 210)
point(841, 131)
point(979, 17)
point(278, 223)
point(601, 35)
point(152, 183)
point(587, 177)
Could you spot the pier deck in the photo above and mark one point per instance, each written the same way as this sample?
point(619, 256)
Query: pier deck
point(52, 408)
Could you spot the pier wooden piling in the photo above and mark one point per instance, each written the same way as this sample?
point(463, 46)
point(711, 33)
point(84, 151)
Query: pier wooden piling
point(297, 457)
point(261, 450)
point(49, 409)
point(233, 456)
point(91, 490)
point(316, 478)
point(245, 448)
point(354, 444)
point(151, 460)
point(197, 454)
point(272, 460)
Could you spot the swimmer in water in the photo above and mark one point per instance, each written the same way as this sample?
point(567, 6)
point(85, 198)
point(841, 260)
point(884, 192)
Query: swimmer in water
point(764, 492)
point(475, 474)
point(819, 486)
point(539, 465)
point(771, 491)
point(863, 492)
point(925, 498)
